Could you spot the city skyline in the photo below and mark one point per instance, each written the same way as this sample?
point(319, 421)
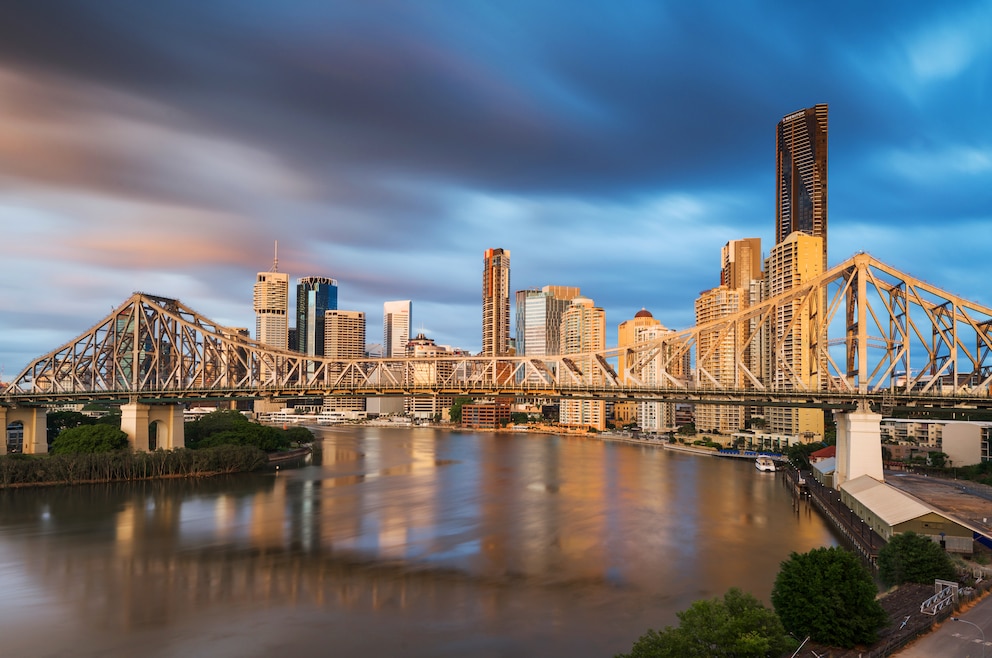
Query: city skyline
point(136, 160)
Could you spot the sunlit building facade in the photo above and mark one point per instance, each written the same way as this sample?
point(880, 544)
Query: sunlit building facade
point(396, 319)
point(344, 338)
point(790, 264)
point(496, 302)
point(801, 176)
point(658, 371)
point(583, 330)
point(716, 358)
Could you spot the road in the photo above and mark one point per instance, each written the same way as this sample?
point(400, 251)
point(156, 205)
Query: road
point(954, 639)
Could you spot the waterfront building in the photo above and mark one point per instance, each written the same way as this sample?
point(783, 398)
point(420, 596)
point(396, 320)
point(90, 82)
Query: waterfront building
point(315, 295)
point(496, 302)
point(428, 373)
point(487, 414)
point(271, 303)
point(792, 263)
point(344, 338)
point(801, 176)
point(716, 358)
point(396, 319)
point(660, 370)
point(583, 330)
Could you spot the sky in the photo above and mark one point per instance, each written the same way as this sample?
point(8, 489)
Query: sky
point(165, 147)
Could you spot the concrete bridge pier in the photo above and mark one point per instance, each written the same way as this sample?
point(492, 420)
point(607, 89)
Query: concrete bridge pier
point(34, 420)
point(859, 445)
point(136, 419)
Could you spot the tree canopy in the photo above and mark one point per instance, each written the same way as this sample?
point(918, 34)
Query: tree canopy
point(738, 626)
point(828, 595)
point(913, 558)
point(455, 412)
point(89, 438)
point(228, 427)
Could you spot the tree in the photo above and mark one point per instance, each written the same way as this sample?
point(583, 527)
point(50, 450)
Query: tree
point(798, 454)
point(689, 429)
point(828, 595)
point(913, 558)
point(455, 413)
point(89, 438)
point(63, 420)
point(738, 626)
point(937, 459)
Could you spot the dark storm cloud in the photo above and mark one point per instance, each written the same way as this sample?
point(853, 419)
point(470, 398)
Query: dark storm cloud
point(611, 146)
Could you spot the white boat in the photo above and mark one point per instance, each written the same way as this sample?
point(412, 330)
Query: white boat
point(764, 464)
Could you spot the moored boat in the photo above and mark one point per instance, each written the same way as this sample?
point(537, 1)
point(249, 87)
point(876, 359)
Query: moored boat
point(764, 463)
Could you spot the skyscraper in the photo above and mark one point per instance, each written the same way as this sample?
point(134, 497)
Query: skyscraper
point(793, 341)
point(272, 307)
point(496, 302)
point(801, 175)
point(396, 318)
point(315, 295)
point(539, 319)
point(344, 338)
point(583, 330)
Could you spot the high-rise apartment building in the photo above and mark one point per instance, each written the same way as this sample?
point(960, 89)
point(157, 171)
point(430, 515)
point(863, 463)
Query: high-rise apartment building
point(396, 319)
point(315, 295)
point(583, 330)
point(644, 327)
point(793, 340)
point(741, 261)
point(539, 315)
point(496, 302)
point(801, 176)
point(716, 358)
point(272, 308)
point(344, 338)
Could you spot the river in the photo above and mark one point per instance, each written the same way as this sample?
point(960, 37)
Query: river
point(400, 542)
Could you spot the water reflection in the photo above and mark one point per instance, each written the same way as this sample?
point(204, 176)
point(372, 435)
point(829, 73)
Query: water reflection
point(407, 540)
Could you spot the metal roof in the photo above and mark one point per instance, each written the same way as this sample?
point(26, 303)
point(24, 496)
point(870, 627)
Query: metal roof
point(885, 501)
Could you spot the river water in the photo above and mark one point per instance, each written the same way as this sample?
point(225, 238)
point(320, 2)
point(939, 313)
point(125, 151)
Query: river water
point(400, 542)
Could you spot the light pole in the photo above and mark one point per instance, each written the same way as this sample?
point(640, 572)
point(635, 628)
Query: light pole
point(964, 621)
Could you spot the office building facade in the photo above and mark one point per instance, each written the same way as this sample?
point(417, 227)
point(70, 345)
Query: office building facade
point(538, 319)
point(396, 319)
point(344, 338)
point(315, 295)
point(658, 371)
point(496, 302)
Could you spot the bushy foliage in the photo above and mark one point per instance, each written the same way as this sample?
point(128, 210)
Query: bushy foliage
point(455, 412)
point(828, 595)
point(738, 626)
point(20, 469)
point(229, 427)
point(913, 558)
point(57, 421)
point(89, 439)
point(798, 454)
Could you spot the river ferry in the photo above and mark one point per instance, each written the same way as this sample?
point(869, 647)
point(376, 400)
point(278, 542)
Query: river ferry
point(764, 463)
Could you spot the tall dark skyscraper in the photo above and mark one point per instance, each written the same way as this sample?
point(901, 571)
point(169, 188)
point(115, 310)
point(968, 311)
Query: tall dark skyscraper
point(314, 296)
point(801, 175)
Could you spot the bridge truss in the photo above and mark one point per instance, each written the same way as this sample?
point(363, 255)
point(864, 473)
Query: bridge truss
point(864, 330)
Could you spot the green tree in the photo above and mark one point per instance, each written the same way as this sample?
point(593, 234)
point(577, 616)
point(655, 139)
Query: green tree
point(455, 413)
point(738, 626)
point(913, 558)
point(937, 459)
point(89, 438)
point(828, 595)
point(798, 454)
point(63, 420)
point(689, 429)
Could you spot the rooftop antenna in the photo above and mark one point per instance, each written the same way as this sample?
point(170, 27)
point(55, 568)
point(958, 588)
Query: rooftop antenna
point(275, 261)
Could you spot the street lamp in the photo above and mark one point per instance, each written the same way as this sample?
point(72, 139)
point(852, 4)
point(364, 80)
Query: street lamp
point(964, 621)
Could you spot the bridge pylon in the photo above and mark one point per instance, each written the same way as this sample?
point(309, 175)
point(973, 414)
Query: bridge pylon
point(137, 419)
point(859, 445)
point(34, 421)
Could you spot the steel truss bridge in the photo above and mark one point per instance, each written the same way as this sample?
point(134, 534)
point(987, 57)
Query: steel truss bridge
point(871, 335)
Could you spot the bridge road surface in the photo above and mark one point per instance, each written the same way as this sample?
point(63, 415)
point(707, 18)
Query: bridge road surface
point(954, 639)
